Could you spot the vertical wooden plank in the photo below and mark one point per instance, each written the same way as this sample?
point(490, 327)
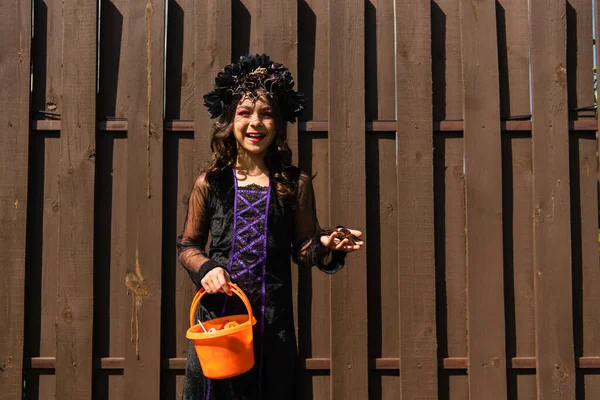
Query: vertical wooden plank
point(380, 60)
point(382, 259)
point(518, 259)
point(280, 38)
point(485, 289)
point(74, 323)
point(451, 286)
point(180, 67)
point(15, 51)
point(119, 301)
point(446, 59)
point(450, 241)
point(313, 292)
point(114, 22)
point(551, 201)
point(314, 314)
point(513, 67)
point(382, 204)
point(144, 196)
point(247, 28)
point(47, 60)
point(416, 278)
point(513, 52)
point(580, 59)
point(49, 262)
point(588, 173)
point(349, 370)
point(111, 305)
point(584, 231)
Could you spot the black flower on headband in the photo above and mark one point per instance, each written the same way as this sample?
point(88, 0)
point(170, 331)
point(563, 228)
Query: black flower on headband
point(250, 75)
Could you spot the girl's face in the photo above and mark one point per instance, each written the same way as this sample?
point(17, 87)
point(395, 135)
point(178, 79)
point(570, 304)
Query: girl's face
point(254, 125)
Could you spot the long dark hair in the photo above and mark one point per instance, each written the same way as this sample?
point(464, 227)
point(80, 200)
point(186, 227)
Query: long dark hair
point(278, 158)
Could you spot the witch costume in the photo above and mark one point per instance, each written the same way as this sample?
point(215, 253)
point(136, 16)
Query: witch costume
point(253, 233)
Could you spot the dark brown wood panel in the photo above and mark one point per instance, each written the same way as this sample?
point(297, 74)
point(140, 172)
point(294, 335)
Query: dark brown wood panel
point(382, 257)
point(75, 294)
point(450, 253)
point(518, 259)
point(313, 296)
point(280, 38)
point(112, 317)
point(446, 59)
point(143, 280)
point(114, 22)
point(551, 202)
point(512, 22)
point(314, 292)
point(580, 58)
point(380, 60)
point(416, 255)
point(349, 369)
point(46, 103)
point(382, 204)
point(248, 27)
point(586, 276)
point(485, 288)
point(120, 313)
point(47, 59)
point(180, 93)
point(15, 47)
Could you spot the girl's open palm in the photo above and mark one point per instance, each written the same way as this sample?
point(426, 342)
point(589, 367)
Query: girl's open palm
point(342, 239)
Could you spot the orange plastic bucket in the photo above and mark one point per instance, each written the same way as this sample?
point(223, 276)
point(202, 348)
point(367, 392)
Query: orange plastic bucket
point(225, 352)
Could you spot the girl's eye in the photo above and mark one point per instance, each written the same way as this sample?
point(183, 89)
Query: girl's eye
point(267, 114)
point(243, 113)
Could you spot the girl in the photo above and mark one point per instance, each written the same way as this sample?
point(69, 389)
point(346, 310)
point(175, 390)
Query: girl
point(259, 209)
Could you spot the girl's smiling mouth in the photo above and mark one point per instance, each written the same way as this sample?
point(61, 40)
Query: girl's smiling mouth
point(255, 136)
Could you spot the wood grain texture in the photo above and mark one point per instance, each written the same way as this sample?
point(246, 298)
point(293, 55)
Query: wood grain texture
point(382, 258)
point(586, 267)
point(551, 202)
point(485, 288)
point(313, 296)
point(349, 370)
point(382, 204)
point(15, 48)
point(114, 28)
point(280, 38)
point(212, 53)
point(180, 82)
point(47, 60)
point(580, 59)
point(416, 249)
point(143, 280)
point(513, 57)
point(76, 173)
point(446, 60)
point(450, 243)
point(517, 178)
point(112, 314)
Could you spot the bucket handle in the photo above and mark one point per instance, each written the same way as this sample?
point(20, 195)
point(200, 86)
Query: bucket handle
point(234, 288)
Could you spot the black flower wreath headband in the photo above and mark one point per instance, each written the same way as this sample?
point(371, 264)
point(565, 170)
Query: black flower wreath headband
point(250, 75)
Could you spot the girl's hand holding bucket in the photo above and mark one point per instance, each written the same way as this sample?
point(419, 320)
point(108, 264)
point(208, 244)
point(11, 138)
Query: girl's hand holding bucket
point(217, 281)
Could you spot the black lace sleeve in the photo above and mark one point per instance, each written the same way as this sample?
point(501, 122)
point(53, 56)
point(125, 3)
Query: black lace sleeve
point(191, 244)
point(307, 248)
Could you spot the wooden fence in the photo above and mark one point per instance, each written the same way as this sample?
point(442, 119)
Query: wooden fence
point(481, 275)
